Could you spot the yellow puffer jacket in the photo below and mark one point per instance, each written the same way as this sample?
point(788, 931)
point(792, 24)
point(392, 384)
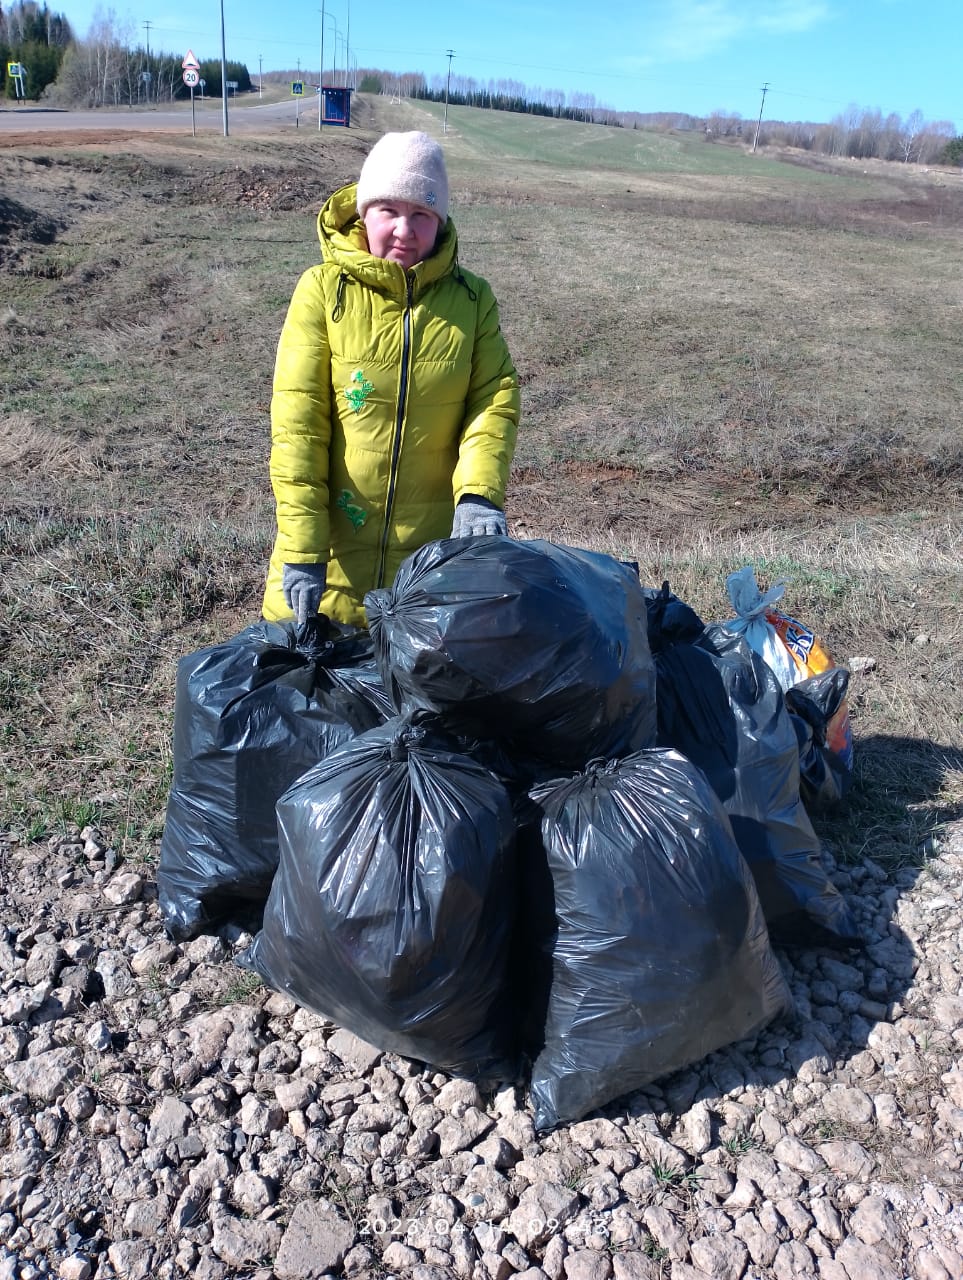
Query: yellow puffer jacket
point(394, 395)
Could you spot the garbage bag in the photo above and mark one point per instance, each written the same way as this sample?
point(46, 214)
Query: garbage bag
point(796, 654)
point(825, 772)
point(542, 647)
point(660, 953)
point(669, 620)
point(721, 705)
point(752, 620)
point(250, 715)
point(393, 906)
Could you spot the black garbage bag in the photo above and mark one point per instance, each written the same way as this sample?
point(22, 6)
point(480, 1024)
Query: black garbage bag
point(660, 953)
point(539, 646)
point(824, 773)
point(669, 620)
point(250, 716)
point(393, 909)
point(720, 704)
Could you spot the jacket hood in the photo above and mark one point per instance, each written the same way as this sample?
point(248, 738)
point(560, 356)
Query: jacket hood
point(343, 242)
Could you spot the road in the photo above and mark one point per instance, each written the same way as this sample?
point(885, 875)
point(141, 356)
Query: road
point(290, 113)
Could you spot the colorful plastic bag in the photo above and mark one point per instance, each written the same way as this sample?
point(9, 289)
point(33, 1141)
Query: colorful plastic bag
point(794, 652)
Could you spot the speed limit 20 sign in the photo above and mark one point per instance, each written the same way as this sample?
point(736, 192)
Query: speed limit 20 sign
point(191, 77)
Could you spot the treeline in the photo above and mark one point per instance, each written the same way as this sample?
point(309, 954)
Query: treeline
point(36, 40)
point(512, 95)
point(102, 71)
point(109, 68)
point(858, 133)
point(497, 95)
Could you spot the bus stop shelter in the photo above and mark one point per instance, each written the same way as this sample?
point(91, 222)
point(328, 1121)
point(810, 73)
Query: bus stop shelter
point(336, 105)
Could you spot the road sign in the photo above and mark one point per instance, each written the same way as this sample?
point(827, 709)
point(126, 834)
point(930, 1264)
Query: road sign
point(191, 76)
point(190, 61)
point(297, 88)
point(14, 69)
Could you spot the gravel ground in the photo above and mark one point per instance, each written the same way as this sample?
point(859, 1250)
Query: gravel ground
point(163, 1115)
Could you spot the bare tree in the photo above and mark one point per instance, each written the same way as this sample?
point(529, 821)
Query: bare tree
point(888, 147)
point(910, 136)
point(934, 138)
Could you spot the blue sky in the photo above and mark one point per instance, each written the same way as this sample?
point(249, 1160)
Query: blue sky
point(817, 57)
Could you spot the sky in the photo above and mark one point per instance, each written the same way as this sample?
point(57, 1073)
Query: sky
point(814, 58)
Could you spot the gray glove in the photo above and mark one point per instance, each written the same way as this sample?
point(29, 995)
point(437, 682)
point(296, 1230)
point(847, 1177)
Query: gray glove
point(475, 516)
point(303, 587)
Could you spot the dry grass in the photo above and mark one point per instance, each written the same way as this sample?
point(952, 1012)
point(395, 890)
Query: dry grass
point(725, 359)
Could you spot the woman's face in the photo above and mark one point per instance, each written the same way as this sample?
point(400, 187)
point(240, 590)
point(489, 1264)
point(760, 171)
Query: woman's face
point(401, 231)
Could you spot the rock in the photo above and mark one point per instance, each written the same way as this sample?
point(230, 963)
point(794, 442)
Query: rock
point(761, 1242)
point(586, 1264)
point(353, 1051)
point(722, 1256)
point(873, 1221)
point(793, 1260)
point(634, 1265)
point(132, 1259)
point(315, 1242)
point(853, 1106)
point(45, 1076)
point(458, 1134)
point(260, 1117)
point(75, 1267)
point(666, 1231)
point(697, 1123)
point(240, 1243)
point(847, 1158)
point(543, 1209)
point(170, 1120)
point(863, 1262)
point(253, 1193)
point(400, 1256)
point(115, 974)
point(948, 1012)
point(295, 1095)
point(124, 888)
point(797, 1155)
point(592, 1135)
point(809, 1059)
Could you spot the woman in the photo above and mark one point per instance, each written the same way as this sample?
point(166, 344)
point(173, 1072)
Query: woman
point(395, 405)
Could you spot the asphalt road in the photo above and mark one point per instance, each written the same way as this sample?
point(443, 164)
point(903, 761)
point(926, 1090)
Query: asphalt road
point(208, 116)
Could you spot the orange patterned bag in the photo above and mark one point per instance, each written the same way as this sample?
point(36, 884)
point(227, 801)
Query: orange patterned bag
point(793, 650)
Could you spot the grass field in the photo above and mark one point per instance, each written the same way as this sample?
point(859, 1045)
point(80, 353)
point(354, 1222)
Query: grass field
point(726, 358)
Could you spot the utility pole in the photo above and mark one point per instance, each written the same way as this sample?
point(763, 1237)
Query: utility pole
point(147, 29)
point(260, 77)
point(223, 72)
point(321, 76)
point(451, 54)
point(755, 139)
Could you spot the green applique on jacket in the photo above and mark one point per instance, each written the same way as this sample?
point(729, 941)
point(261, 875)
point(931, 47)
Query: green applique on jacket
point(346, 503)
point(356, 395)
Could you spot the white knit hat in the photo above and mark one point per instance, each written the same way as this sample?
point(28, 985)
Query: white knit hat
point(405, 166)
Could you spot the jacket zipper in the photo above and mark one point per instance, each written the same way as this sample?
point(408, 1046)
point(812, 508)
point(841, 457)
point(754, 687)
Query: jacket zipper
point(399, 419)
